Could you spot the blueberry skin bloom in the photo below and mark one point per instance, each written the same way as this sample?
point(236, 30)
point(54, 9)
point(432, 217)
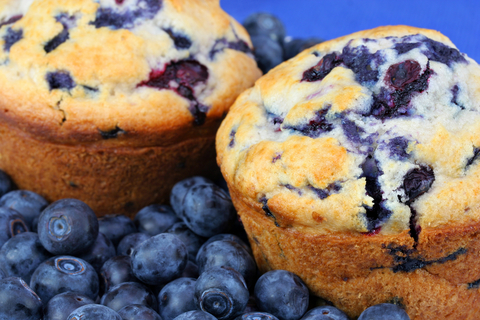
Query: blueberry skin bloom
point(325, 313)
point(94, 312)
point(102, 250)
point(128, 293)
point(159, 259)
point(11, 224)
point(129, 242)
point(221, 292)
point(180, 189)
point(22, 254)
point(18, 301)
point(115, 271)
point(116, 226)
point(61, 305)
point(195, 315)
point(28, 203)
point(258, 315)
point(155, 219)
point(384, 311)
point(282, 294)
point(64, 273)
point(189, 238)
point(67, 226)
point(176, 298)
point(138, 312)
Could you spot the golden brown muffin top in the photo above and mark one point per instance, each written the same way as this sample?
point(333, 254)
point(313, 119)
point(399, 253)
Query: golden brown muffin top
point(375, 132)
point(140, 71)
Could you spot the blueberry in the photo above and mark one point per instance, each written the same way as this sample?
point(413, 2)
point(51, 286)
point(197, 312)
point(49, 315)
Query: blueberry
point(363, 63)
point(322, 68)
point(128, 293)
point(384, 311)
point(159, 259)
point(180, 189)
point(60, 80)
point(230, 237)
point(403, 47)
point(60, 306)
point(257, 315)
point(18, 301)
point(315, 126)
point(10, 20)
point(115, 271)
point(155, 219)
point(230, 254)
point(437, 51)
point(176, 298)
point(221, 44)
point(282, 294)
point(221, 292)
point(94, 312)
point(11, 37)
point(28, 203)
point(207, 210)
point(418, 181)
point(115, 227)
point(21, 255)
point(67, 226)
point(11, 224)
point(265, 24)
point(113, 133)
point(130, 241)
point(62, 274)
point(180, 41)
point(101, 251)
point(138, 312)
point(6, 183)
point(195, 315)
point(295, 46)
point(268, 52)
point(188, 237)
point(191, 270)
point(325, 313)
point(57, 40)
point(398, 148)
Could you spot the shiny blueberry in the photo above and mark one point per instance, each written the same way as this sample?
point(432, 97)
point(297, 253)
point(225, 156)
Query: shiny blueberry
point(130, 241)
point(128, 293)
point(188, 237)
point(195, 315)
point(226, 253)
point(176, 298)
point(21, 255)
point(159, 259)
point(11, 224)
point(94, 312)
point(207, 210)
point(418, 181)
point(28, 203)
point(256, 315)
point(325, 313)
point(155, 219)
point(18, 301)
point(180, 189)
point(138, 312)
point(115, 271)
point(295, 46)
point(384, 311)
point(101, 251)
point(265, 24)
point(6, 183)
point(67, 226)
point(221, 292)
point(268, 52)
point(282, 294)
point(115, 227)
point(60, 306)
point(62, 274)
point(228, 236)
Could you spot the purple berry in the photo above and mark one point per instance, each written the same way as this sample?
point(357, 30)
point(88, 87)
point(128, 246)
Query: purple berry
point(384, 311)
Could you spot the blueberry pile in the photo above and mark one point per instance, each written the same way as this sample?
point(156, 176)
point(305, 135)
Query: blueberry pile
point(190, 260)
point(270, 41)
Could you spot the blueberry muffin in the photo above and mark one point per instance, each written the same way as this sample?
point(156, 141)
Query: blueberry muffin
point(355, 165)
point(113, 101)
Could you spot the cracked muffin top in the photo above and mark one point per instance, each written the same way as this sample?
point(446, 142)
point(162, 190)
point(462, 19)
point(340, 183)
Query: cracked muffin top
point(377, 132)
point(139, 71)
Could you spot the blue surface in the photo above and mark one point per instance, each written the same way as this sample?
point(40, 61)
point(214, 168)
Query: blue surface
point(459, 20)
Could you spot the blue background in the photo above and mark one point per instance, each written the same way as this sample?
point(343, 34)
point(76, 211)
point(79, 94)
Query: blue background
point(457, 19)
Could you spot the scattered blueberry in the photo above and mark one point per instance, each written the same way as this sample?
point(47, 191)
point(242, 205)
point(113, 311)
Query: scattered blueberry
point(437, 51)
point(115, 271)
point(21, 255)
point(176, 297)
point(181, 41)
point(207, 210)
point(94, 312)
point(62, 305)
point(6, 183)
point(398, 148)
point(179, 190)
point(128, 293)
point(257, 315)
point(62, 274)
point(67, 226)
point(130, 241)
point(115, 227)
point(57, 40)
point(221, 292)
point(404, 47)
point(138, 312)
point(325, 313)
point(11, 20)
point(11, 224)
point(102, 250)
point(265, 24)
point(28, 203)
point(221, 44)
point(60, 80)
point(268, 52)
point(322, 68)
point(293, 47)
point(282, 294)
point(417, 181)
point(363, 63)
point(195, 315)
point(112, 134)
point(18, 301)
point(384, 311)
point(155, 219)
point(11, 37)
point(314, 127)
point(159, 259)
point(192, 241)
